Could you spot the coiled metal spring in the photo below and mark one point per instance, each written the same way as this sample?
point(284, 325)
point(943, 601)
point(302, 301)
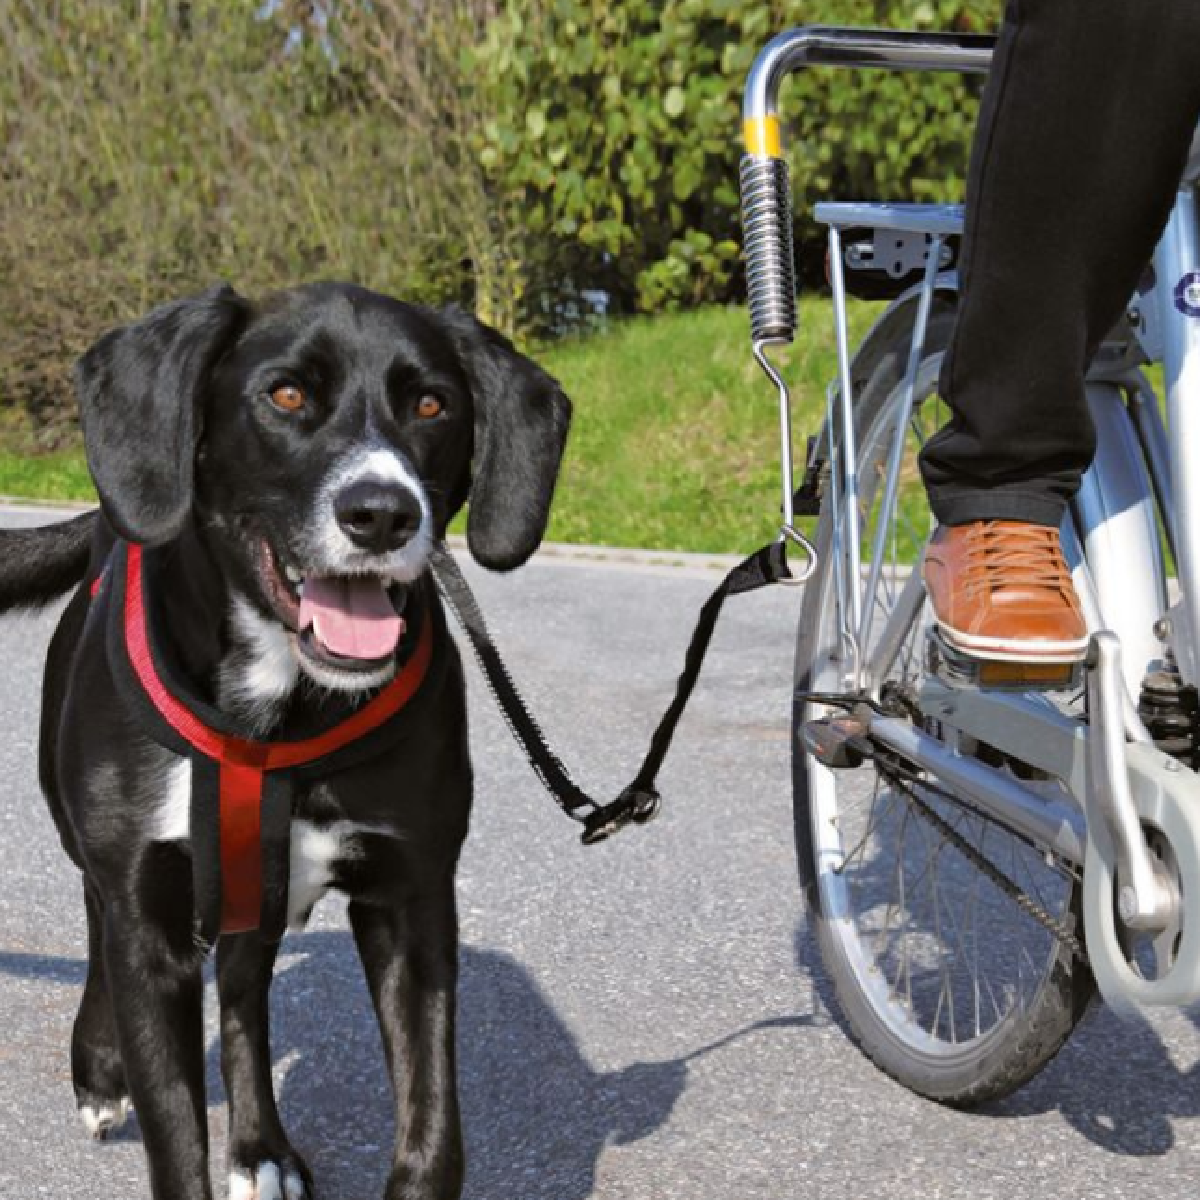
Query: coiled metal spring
point(770, 265)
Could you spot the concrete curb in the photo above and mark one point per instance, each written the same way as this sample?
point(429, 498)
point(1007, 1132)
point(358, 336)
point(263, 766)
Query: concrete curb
point(618, 556)
point(600, 556)
point(47, 506)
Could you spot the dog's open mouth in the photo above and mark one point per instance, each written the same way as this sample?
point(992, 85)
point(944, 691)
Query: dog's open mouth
point(350, 622)
point(349, 619)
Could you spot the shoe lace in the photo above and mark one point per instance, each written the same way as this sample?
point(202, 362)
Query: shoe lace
point(1012, 556)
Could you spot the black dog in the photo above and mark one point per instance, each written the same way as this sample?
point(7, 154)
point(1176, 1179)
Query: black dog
point(273, 479)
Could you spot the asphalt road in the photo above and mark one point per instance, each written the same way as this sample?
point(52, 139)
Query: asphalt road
point(639, 1021)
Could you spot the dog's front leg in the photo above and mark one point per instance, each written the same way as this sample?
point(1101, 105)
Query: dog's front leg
point(411, 963)
point(261, 1159)
point(157, 998)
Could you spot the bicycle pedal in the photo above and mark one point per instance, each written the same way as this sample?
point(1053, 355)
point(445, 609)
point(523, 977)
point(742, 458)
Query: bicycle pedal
point(837, 741)
point(956, 668)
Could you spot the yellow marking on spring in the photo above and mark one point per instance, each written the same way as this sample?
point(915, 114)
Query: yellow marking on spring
point(762, 136)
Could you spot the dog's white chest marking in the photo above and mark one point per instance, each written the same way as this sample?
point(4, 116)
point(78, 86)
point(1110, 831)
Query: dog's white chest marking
point(316, 850)
point(262, 672)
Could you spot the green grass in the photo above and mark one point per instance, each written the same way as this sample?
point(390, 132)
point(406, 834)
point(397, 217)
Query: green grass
point(675, 438)
point(59, 476)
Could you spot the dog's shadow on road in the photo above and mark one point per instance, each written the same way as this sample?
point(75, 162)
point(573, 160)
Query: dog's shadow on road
point(536, 1114)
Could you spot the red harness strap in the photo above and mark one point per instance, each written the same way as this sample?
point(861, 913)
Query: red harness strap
point(242, 762)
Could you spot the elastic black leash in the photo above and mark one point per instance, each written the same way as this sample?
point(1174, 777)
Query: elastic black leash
point(639, 801)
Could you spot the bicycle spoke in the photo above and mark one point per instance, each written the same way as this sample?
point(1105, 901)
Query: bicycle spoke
point(872, 821)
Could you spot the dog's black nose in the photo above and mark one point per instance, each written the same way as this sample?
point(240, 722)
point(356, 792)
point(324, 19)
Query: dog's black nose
point(378, 516)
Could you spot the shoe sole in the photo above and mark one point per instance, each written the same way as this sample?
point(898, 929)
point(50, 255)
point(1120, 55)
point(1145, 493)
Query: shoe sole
point(1002, 650)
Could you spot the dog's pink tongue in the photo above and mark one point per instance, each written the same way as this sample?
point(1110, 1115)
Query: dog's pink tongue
point(351, 616)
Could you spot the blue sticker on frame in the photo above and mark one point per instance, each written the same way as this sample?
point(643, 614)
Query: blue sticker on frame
point(1187, 294)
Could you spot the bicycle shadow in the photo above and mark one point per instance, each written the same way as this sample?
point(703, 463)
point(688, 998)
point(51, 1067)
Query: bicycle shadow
point(1114, 1082)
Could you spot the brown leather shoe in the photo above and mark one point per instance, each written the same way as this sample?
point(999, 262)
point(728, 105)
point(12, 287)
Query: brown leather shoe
point(1001, 590)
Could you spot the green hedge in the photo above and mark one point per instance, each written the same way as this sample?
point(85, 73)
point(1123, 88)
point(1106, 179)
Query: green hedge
point(614, 131)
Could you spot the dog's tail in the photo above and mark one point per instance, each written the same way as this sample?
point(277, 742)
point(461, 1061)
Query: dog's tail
point(40, 564)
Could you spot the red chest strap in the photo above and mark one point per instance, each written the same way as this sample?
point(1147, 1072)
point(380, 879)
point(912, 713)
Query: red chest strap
point(242, 763)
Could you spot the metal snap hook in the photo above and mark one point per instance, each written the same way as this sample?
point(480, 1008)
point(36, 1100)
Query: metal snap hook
point(789, 533)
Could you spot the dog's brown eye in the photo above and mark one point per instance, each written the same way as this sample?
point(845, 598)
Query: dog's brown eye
point(288, 398)
point(429, 407)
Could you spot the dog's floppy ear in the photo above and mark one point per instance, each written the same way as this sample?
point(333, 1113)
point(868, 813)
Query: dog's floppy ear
point(140, 389)
point(521, 422)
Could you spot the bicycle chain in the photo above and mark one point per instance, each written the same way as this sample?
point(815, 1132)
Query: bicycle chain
point(1059, 929)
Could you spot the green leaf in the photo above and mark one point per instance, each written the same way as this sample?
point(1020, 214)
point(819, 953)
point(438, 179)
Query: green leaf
point(535, 122)
point(674, 101)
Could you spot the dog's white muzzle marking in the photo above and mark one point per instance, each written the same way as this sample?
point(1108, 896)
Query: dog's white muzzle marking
point(336, 681)
point(336, 553)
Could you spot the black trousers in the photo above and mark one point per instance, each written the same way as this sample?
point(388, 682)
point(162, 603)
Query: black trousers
point(1086, 121)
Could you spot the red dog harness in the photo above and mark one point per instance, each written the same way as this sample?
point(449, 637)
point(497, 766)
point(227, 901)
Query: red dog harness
point(242, 788)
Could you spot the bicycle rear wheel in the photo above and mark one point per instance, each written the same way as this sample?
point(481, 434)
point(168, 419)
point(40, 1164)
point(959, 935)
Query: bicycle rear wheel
point(944, 978)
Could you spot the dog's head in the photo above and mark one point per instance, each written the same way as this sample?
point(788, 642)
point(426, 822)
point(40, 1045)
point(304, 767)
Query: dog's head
point(327, 437)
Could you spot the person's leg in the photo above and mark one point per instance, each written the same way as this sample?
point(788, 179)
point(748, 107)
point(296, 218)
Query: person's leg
point(1083, 133)
point(1086, 121)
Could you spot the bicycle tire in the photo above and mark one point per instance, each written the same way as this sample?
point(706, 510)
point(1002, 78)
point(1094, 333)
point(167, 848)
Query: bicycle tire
point(1026, 1036)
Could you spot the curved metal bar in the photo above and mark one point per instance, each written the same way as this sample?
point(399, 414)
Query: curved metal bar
point(890, 50)
point(787, 505)
point(1143, 901)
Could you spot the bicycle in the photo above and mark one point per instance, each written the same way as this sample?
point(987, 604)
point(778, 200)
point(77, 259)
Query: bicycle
point(982, 851)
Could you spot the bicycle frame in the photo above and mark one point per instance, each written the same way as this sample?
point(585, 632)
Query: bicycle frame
point(1177, 267)
point(1144, 473)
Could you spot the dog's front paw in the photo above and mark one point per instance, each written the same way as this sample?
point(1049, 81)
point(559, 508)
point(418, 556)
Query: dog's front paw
point(101, 1117)
point(284, 1180)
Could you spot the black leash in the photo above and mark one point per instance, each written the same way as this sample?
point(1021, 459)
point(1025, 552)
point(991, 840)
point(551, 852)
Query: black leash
point(639, 801)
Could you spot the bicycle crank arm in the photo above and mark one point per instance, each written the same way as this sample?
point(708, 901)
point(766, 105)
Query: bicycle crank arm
point(1138, 798)
point(1144, 900)
point(1141, 879)
point(1090, 759)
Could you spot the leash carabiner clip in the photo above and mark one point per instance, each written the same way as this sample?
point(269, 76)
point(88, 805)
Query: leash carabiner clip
point(632, 806)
